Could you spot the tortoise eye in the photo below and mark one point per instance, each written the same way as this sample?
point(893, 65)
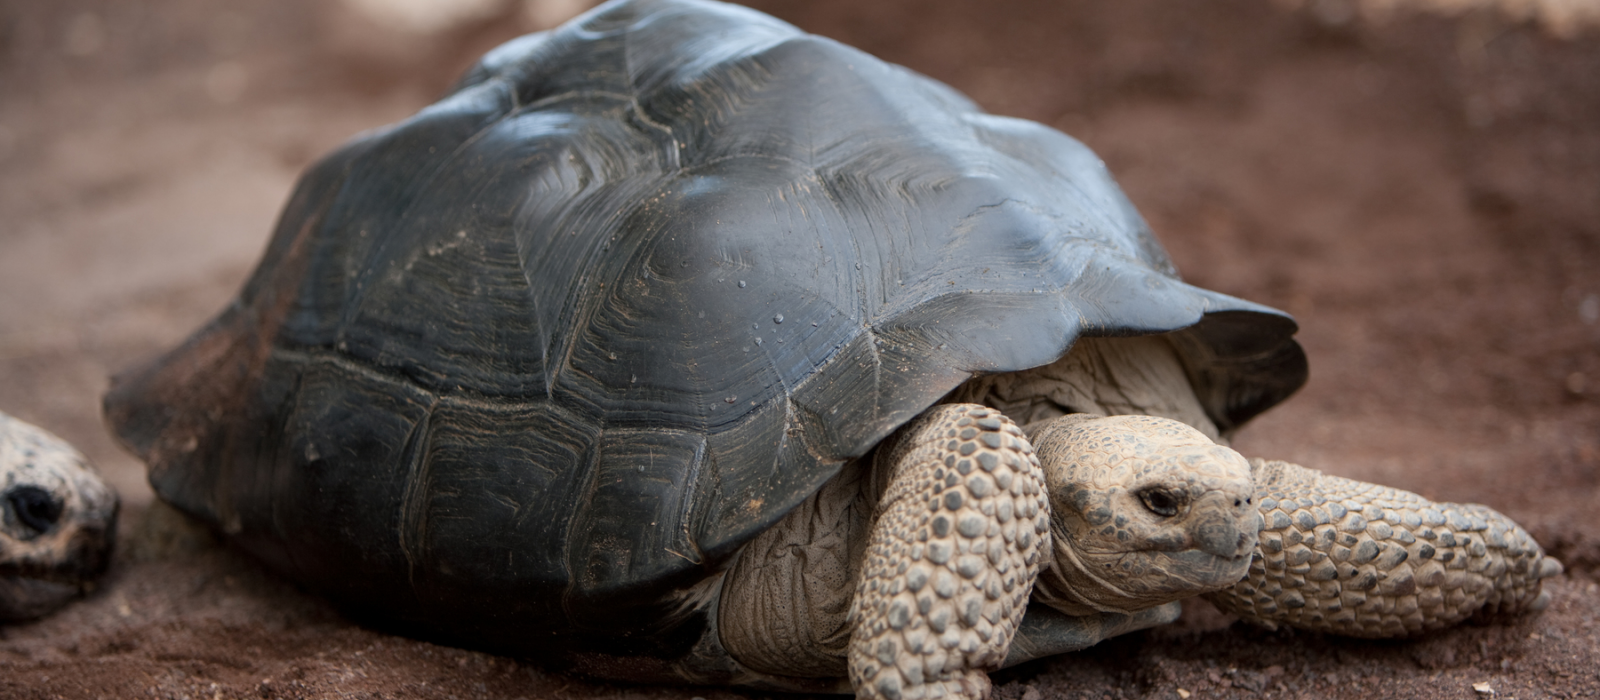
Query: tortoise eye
point(1161, 501)
point(34, 508)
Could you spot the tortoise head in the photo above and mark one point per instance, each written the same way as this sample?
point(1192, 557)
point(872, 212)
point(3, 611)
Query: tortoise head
point(57, 522)
point(1144, 511)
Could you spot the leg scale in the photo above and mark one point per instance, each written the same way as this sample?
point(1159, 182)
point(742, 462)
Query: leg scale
point(958, 539)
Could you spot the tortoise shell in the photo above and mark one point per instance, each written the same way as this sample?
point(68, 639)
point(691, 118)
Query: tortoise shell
point(516, 370)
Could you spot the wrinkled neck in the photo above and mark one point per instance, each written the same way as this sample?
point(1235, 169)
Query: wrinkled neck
point(1072, 584)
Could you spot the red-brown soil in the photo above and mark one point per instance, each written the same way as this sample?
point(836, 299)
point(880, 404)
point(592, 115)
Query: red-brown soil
point(1422, 192)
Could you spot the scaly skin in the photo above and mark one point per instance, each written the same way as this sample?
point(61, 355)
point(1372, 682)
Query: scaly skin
point(959, 538)
point(1357, 559)
point(1104, 521)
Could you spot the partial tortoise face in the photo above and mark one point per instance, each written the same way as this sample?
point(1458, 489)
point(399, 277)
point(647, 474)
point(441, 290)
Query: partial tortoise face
point(57, 522)
point(1145, 511)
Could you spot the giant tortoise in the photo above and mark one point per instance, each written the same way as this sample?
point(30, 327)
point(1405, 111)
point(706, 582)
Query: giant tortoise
point(682, 345)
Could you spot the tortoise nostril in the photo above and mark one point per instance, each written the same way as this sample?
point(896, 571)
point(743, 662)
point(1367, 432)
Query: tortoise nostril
point(34, 508)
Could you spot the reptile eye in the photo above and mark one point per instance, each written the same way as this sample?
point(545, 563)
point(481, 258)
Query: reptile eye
point(1162, 502)
point(35, 508)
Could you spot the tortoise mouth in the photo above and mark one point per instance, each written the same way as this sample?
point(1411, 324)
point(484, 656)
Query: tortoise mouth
point(1206, 571)
point(72, 558)
point(29, 597)
point(1135, 579)
point(1140, 579)
point(81, 566)
point(31, 588)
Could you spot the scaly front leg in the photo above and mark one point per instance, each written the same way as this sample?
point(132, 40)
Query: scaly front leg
point(1358, 559)
point(957, 542)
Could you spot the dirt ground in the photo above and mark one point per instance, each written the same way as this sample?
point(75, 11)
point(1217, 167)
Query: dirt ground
point(1422, 192)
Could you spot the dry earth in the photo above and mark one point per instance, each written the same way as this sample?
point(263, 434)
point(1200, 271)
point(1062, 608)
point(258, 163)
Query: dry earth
point(1423, 192)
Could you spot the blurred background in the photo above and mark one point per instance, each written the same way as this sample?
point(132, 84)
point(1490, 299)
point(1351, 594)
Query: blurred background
point(1418, 181)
